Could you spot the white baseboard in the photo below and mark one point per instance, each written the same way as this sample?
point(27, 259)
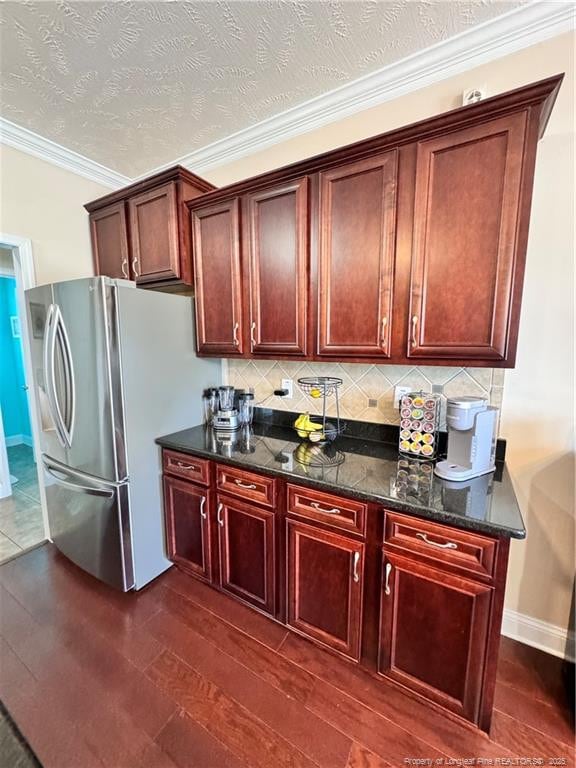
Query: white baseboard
point(18, 440)
point(539, 634)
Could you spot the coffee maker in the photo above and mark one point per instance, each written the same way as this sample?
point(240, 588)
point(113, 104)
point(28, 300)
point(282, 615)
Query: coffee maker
point(471, 439)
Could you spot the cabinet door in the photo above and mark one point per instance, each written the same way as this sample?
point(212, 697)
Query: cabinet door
point(247, 552)
point(465, 229)
point(187, 526)
point(325, 583)
point(154, 234)
point(109, 235)
point(356, 257)
point(277, 237)
point(216, 248)
point(433, 633)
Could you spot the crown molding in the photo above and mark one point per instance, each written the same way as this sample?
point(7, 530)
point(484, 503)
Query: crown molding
point(506, 34)
point(15, 136)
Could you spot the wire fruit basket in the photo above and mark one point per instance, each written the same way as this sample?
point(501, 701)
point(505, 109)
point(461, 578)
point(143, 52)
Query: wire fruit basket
point(319, 429)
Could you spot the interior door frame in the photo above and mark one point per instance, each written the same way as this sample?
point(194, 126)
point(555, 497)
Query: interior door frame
point(25, 274)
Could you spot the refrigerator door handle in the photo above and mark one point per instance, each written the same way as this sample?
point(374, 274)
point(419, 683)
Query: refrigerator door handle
point(70, 380)
point(53, 467)
point(49, 352)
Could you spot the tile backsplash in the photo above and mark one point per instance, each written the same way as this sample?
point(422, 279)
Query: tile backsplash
point(367, 391)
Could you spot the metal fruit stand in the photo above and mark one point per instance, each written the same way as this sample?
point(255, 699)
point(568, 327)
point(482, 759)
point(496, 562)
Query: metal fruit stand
point(322, 453)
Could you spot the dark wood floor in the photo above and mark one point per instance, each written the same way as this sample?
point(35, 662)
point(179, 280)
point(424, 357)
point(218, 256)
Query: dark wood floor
point(179, 675)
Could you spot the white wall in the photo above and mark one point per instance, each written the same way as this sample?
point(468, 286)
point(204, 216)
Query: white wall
point(42, 202)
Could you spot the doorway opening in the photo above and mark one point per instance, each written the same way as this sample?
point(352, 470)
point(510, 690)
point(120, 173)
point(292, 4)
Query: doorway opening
point(22, 521)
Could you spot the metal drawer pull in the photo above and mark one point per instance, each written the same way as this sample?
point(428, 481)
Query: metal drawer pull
point(333, 511)
point(236, 342)
point(448, 545)
point(183, 465)
point(252, 332)
point(248, 487)
point(383, 333)
point(387, 582)
point(356, 562)
point(219, 515)
point(202, 503)
point(124, 268)
point(134, 265)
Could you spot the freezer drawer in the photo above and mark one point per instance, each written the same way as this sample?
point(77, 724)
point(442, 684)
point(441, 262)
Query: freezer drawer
point(90, 522)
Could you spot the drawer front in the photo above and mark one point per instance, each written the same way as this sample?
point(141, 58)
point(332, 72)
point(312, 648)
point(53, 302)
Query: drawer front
point(246, 485)
point(468, 552)
point(332, 510)
point(190, 467)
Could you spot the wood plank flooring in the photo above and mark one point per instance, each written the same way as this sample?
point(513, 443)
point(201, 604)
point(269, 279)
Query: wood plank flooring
point(180, 675)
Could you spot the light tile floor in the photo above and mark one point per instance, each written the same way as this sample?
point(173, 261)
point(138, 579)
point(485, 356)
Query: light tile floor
point(21, 524)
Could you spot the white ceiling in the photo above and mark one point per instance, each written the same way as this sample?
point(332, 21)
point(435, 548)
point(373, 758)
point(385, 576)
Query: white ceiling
point(134, 85)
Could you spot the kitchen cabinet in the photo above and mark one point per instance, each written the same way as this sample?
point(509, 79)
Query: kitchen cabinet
point(219, 315)
point(109, 233)
point(433, 633)
point(186, 509)
point(466, 212)
point(325, 582)
point(247, 552)
point(142, 232)
point(278, 260)
point(408, 246)
point(416, 601)
point(356, 257)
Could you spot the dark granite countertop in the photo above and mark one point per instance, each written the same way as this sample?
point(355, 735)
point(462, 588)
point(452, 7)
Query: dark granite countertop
point(370, 470)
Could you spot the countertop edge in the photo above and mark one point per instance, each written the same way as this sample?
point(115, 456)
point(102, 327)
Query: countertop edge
point(395, 505)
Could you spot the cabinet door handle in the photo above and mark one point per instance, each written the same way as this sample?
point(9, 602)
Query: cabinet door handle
point(387, 581)
point(384, 337)
point(219, 514)
point(356, 563)
point(124, 268)
point(236, 327)
point(247, 486)
point(447, 545)
point(183, 465)
point(414, 324)
point(333, 511)
point(134, 266)
point(202, 503)
point(253, 334)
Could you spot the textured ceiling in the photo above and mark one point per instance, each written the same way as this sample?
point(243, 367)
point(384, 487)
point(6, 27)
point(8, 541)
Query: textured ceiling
point(134, 85)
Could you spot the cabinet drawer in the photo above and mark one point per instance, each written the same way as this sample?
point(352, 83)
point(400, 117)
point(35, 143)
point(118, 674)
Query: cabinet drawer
point(190, 467)
point(246, 485)
point(331, 510)
point(464, 551)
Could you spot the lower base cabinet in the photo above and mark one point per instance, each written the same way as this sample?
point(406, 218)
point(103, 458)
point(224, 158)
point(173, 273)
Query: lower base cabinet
point(433, 633)
point(187, 526)
point(246, 544)
point(325, 585)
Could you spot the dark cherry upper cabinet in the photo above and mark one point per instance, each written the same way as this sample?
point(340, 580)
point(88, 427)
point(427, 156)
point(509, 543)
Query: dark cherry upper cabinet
point(325, 585)
point(216, 247)
point(142, 232)
point(277, 252)
point(186, 509)
point(247, 552)
point(433, 633)
point(467, 206)
point(154, 234)
point(357, 222)
point(109, 234)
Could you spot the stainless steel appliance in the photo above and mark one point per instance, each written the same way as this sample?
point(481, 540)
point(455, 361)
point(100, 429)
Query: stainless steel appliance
point(471, 439)
point(226, 418)
point(114, 367)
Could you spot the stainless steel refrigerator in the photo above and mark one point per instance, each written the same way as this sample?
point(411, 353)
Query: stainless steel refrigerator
point(114, 367)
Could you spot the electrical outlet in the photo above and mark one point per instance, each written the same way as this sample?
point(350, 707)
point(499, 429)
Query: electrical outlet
point(288, 384)
point(399, 393)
